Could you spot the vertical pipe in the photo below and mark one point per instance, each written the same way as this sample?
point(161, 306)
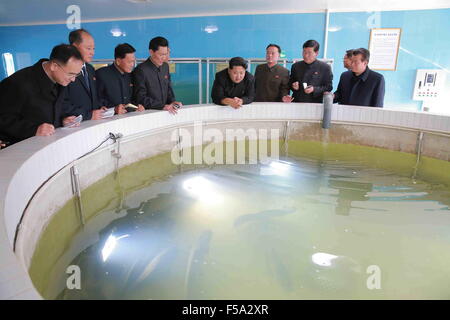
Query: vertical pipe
point(180, 150)
point(77, 192)
point(419, 152)
point(200, 80)
point(325, 45)
point(207, 80)
point(116, 152)
point(327, 106)
point(286, 137)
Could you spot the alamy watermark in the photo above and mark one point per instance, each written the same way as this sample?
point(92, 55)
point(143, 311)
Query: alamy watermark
point(374, 280)
point(74, 19)
point(373, 20)
point(74, 280)
point(237, 146)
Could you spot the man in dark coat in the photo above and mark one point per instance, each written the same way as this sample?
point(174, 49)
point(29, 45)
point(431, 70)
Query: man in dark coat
point(82, 94)
point(151, 79)
point(31, 99)
point(310, 78)
point(234, 86)
point(271, 79)
point(360, 86)
point(115, 88)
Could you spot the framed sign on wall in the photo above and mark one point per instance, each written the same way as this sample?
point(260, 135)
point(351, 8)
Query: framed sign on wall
point(383, 46)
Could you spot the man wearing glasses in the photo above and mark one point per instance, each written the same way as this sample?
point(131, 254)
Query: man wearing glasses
point(82, 96)
point(31, 99)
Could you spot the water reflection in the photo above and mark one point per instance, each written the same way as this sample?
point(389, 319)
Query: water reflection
point(349, 191)
point(262, 216)
point(289, 230)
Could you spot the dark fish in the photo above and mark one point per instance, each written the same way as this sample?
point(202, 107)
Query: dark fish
point(195, 261)
point(279, 270)
point(262, 215)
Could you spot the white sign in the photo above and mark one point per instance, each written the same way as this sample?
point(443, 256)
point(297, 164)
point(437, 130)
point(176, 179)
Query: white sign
point(383, 46)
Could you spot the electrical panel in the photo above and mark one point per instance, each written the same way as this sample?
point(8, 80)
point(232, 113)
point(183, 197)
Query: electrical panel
point(429, 84)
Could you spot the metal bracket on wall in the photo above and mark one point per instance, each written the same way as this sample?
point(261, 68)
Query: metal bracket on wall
point(116, 152)
point(419, 145)
point(286, 137)
point(180, 150)
point(77, 193)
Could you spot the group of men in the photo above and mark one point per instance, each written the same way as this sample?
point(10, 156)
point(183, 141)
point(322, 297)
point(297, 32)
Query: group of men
point(309, 80)
point(65, 89)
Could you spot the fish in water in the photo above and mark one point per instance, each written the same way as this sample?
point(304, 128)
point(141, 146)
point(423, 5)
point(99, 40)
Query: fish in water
point(197, 256)
point(266, 214)
point(279, 270)
point(151, 266)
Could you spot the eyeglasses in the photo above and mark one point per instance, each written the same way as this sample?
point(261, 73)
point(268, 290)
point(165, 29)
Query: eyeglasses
point(70, 75)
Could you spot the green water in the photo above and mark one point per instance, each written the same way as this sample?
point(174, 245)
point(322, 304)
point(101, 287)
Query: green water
point(308, 226)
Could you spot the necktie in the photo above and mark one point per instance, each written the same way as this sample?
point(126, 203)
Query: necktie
point(86, 78)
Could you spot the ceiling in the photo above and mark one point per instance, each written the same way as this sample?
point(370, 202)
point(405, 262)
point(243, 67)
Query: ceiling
point(30, 12)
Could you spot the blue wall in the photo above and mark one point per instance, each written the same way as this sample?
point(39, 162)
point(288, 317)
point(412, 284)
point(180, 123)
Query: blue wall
point(245, 35)
point(424, 43)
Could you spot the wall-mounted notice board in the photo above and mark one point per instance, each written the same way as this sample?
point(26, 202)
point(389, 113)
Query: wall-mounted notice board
point(383, 46)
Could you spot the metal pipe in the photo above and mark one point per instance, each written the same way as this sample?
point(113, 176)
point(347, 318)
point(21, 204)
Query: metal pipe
point(286, 137)
point(418, 152)
point(76, 189)
point(200, 80)
point(116, 152)
point(207, 80)
point(327, 106)
point(180, 151)
point(325, 45)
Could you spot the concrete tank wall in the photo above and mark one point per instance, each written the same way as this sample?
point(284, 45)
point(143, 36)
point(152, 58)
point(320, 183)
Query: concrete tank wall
point(39, 168)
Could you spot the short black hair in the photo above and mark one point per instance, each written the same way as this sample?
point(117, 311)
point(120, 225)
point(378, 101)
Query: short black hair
point(122, 49)
point(63, 52)
point(157, 42)
point(364, 52)
point(236, 62)
point(274, 45)
point(349, 53)
point(75, 36)
point(312, 44)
